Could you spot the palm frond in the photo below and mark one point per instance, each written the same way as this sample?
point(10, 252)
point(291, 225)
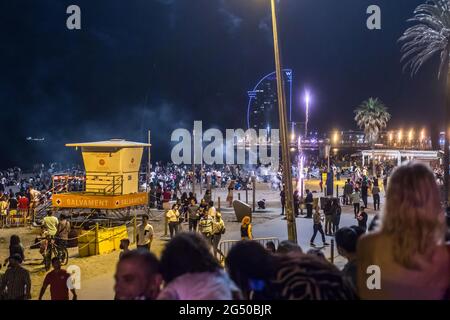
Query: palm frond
point(430, 36)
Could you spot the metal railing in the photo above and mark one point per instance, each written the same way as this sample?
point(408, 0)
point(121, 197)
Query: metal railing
point(105, 185)
point(226, 245)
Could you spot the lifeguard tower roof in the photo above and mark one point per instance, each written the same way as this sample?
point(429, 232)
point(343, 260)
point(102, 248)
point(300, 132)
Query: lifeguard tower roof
point(113, 143)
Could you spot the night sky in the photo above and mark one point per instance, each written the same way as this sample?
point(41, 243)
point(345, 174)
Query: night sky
point(161, 64)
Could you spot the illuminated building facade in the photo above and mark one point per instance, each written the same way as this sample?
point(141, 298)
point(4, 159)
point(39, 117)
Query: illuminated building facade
point(262, 110)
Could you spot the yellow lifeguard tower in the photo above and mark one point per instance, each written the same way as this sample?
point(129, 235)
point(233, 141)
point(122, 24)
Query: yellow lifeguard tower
point(112, 177)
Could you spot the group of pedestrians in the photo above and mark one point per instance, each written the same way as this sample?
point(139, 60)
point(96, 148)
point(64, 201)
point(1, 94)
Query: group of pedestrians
point(201, 217)
point(357, 193)
point(332, 217)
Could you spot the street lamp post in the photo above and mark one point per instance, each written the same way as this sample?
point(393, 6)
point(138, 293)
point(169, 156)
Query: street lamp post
point(307, 99)
point(300, 168)
point(286, 161)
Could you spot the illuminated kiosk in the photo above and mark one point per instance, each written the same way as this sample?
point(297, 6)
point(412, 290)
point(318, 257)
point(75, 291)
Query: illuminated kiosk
point(112, 177)
point(424, 156)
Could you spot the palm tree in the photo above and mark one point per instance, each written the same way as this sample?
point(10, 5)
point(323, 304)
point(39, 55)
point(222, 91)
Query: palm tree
point(430, 36)
point(372, 116)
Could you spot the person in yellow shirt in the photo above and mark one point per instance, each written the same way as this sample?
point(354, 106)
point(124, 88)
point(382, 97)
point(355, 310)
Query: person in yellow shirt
point(173, 217)
point(50, 224)
point(3, 210)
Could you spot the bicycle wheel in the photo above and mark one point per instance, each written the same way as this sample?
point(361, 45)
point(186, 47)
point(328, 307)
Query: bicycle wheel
point(48, 260)
point(62, 254)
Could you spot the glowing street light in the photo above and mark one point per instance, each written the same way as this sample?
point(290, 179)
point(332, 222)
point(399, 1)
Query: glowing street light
point(300, 166)
point(335, 138)
point(410, 135)
point(307, 100)
point(400, 135)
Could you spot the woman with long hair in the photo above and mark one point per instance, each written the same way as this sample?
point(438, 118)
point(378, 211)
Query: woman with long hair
point(246, 229)
point(407, 257)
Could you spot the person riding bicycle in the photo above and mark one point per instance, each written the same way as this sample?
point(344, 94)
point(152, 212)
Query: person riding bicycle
point(49, 230)
point(50, 224)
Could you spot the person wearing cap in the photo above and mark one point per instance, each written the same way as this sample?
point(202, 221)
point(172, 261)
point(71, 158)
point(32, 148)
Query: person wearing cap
point(218, 230)
point(16, 282)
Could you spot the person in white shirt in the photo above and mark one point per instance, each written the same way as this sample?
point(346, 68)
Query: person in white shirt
point(144, 236)
point(212, 210)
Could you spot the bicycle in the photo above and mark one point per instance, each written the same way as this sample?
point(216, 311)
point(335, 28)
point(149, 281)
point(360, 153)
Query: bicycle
point(56, 250)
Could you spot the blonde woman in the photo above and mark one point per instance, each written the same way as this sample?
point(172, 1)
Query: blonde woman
point(407, 258)
point(246, 229)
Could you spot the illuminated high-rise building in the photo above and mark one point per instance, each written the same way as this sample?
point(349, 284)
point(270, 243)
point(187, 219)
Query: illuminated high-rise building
point(262, 111)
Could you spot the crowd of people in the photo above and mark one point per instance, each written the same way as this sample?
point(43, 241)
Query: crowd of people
point(18, 208)
point(408, 246)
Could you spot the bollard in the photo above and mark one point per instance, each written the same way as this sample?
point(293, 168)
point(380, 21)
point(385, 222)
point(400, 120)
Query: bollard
point(239, 196)
point(165, 225)
point(135, 229)
point(246, 195)
point(332, 251)
point(325, 191)
point(218, 203)
point(337, 191)
point(96, 239)
point(254, 192)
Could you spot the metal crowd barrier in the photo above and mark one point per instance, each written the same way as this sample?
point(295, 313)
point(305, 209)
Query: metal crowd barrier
point(226, 245)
